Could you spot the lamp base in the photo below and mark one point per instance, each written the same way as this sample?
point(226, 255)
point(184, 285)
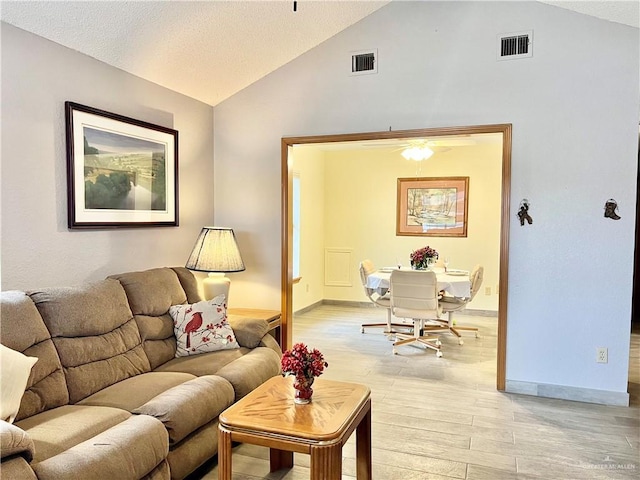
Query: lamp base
point(216, 284)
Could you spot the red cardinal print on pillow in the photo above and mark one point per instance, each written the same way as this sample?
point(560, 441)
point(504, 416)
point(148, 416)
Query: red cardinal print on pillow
point(194, 324)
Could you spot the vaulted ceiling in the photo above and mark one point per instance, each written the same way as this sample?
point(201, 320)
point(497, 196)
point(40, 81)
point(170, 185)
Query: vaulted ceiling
point(210, 50)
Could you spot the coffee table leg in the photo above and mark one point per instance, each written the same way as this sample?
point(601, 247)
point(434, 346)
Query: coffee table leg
point(280, 459)
point(363, 448)
point(224, 454)
point(326, 462)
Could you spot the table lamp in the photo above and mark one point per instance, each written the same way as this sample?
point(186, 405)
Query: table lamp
point(217, 253)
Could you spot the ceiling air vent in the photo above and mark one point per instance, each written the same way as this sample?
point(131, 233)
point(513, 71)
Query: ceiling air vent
point(364, 62)
point(515, 45)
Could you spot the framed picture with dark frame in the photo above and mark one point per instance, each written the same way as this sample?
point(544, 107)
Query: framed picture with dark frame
point(121, 172)
point(432, 206)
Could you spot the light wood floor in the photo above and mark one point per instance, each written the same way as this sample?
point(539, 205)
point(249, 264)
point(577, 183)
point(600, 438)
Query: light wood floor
point(442, 418)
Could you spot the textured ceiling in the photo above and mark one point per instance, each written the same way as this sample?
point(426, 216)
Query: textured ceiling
point(210, 50)
point(207, 50)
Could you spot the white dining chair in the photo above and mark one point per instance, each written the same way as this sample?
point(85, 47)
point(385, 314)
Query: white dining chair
point(366, 268)
point(450, 304)
point(414, 295)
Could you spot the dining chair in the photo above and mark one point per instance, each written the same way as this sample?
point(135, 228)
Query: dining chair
point(414, 295)
point(451, 304)
point(379, 299)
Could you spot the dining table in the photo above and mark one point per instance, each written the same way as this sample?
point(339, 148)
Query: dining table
point(455, 282)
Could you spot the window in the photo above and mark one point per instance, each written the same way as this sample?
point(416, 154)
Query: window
point(296, 225)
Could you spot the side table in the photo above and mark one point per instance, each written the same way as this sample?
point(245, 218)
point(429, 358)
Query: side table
point(269, 417)
point(273, 318)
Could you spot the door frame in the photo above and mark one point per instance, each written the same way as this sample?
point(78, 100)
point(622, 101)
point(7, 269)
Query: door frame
point(287, 219)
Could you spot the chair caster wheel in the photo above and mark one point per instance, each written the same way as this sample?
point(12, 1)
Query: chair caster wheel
point(361, 329)
point(478, 335)
point(395, 352)
point(438, 343)
point(438, 354)
point(460, 342)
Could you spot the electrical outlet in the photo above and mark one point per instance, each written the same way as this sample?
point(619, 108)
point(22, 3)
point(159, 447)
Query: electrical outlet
point(487, 290)
point(602, 355)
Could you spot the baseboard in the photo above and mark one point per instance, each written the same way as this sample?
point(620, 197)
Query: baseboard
point(348, 303)
point(603, 397)
point(308, 308)
point(353, 303)
point(479, 313)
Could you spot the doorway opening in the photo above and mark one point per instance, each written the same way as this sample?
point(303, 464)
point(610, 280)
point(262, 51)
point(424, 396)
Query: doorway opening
point(288, 231)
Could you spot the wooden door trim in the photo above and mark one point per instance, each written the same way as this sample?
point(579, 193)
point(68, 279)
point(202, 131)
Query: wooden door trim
point(287, 216)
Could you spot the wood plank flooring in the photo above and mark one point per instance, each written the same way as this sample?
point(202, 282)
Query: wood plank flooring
point(442, 418)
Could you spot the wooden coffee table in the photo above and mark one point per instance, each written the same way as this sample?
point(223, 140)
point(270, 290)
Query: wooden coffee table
point(268, 417)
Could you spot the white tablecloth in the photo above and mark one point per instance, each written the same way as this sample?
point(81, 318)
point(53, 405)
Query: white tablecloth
point(458, 286)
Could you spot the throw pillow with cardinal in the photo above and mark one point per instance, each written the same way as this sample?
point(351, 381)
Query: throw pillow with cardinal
point(202, 327)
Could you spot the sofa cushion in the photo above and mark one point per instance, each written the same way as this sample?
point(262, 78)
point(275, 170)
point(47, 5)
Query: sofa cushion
point(186, 407)
point(23, 329)
point(205, 364)
point(129, 394)
point(15, 369)
point(158, 338)
point(161, 472)
point(130, 449)
point(251, 370)
point(18, 468)
point(189, 284)
point(94, 332)
point(62, 428)
point(202, 327)
point(150, 294)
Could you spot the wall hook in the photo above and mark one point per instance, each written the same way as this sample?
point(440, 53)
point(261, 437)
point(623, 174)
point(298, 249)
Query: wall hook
point(523, 213)
point(610, 207)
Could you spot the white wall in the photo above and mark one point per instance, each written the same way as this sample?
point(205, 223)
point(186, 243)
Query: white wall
point(38, 250)
point(574, 108)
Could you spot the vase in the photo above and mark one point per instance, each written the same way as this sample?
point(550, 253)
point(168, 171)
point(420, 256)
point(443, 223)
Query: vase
point(426, 265)
point(303, 390)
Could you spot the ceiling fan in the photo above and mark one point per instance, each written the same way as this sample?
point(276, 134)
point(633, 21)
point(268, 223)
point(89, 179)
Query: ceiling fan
point(422, 148)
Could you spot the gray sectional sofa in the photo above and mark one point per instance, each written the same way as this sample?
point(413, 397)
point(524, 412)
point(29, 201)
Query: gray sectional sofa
point(107, 398)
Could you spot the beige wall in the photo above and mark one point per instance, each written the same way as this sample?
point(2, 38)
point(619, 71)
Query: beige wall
point(309, 164)
point(359, 189)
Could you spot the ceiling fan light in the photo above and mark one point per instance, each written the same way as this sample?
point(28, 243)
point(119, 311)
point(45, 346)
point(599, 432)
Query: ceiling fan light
point(417, 153)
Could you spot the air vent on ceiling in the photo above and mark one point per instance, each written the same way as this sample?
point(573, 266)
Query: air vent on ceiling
point(364, 62)
point(515, 45)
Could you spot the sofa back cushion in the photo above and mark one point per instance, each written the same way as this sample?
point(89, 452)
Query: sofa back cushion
point(151, 293)
point(95, 334)
point(22, 329)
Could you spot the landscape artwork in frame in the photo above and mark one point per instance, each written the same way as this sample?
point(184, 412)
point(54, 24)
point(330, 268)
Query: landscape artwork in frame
point(432, 206)
point(121, 172)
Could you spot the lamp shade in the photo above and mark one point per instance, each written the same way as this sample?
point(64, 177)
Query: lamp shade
point(216, 250)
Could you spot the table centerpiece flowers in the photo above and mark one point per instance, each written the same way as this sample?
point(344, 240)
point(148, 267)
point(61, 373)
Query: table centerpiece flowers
point(304, 365)
point(423, 257)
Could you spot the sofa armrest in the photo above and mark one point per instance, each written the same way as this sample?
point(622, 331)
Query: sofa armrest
point(270, 342)
point(15, 441)
point(248, 331)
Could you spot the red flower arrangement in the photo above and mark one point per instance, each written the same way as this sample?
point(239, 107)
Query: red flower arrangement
point(302, 362)
point(421, 257)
